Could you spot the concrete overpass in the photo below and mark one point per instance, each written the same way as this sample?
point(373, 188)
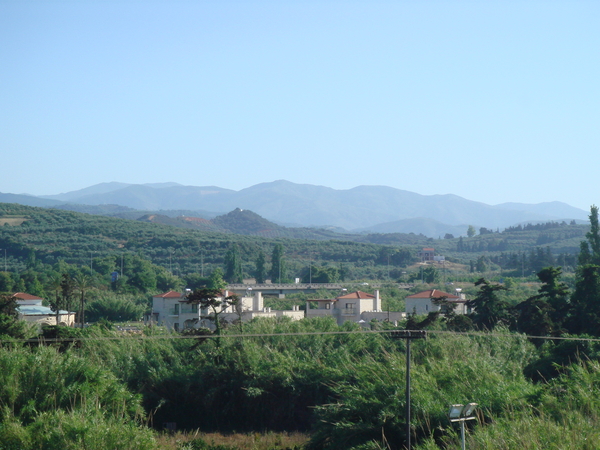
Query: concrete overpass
point(279, 290)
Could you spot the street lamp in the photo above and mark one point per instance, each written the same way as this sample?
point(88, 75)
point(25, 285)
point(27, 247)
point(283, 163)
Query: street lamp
point(462, 413)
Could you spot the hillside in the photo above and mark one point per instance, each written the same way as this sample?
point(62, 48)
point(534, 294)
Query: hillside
point(57, 235)
point(360, 209)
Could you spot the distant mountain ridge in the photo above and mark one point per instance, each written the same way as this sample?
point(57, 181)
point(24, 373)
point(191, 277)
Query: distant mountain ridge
point(361, 209)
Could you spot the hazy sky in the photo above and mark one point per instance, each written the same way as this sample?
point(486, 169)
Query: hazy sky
point(494, 101)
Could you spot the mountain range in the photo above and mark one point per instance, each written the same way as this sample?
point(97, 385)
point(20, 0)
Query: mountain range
point(363, 209)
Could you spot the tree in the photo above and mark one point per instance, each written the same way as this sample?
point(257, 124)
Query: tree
point(277, 265)
point(63, 294)
point(489, 309)
point(534, 317)
point(141, 275)
point(554, 292)
point(321, 274)
point(593, 236)
point(233, 265)
point(260, 271)
point(82, 284)
point(584, 315)
point(10, 324)
point(212, 299)
point(216, 280)
point(471, 231)
point(6, 282)
point(543, 314)
point(481, 266)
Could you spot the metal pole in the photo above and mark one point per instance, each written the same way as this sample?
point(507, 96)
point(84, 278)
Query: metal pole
point(462, 434)
point(407, 415)
point(408, 335)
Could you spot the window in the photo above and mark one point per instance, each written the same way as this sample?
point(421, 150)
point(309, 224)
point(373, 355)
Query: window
point(349, 305)
point(194, 308)
point(176, 309)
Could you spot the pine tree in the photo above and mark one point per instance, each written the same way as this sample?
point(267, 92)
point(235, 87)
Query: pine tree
point(260, 272)
point(489, 309)
point(233, 265)
point(278, 274)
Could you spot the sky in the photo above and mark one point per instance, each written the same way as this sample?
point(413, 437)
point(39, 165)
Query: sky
point(493, 101)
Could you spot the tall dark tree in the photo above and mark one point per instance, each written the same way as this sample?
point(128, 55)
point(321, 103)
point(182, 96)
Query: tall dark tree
point(278, 268)
point(64, 288)
point(82, 283)
point(533, 318)
point(593, 236)
point(260, 271)
point(555, 293)
point(584, 314)
point(233, 265)
point(10, 324)
point(489, 310)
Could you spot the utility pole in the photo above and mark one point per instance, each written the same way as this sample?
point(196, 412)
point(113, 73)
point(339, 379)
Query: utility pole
point(409, 335)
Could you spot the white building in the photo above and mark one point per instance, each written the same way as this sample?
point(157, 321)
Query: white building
point(31, 310)
point(356, 306)
point(427, 301)
point(172, 310)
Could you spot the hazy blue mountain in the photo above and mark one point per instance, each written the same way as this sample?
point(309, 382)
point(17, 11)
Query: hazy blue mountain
point(148, 198)
point(366, 208)
point(28, 200)
point(428, 227)
point(102, 188)
point(547, 208)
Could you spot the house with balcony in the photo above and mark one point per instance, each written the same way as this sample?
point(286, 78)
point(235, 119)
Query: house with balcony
point(172, 310)
point(434, 300)
point(358, 306)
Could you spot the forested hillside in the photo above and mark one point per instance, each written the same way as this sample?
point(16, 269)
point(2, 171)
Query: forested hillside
point(524, 352)
point(32, 236)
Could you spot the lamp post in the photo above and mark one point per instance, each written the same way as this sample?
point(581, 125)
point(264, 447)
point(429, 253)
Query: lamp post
point(462, 413)
point(408, 335)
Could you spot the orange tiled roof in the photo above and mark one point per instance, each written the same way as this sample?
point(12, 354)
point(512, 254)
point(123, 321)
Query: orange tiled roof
point(24, 296)
point(434, 293)
point(356, 294)
point(170, 294)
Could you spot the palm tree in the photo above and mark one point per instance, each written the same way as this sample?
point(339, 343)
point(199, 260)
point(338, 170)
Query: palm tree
point(56, 303)
point(83, 283)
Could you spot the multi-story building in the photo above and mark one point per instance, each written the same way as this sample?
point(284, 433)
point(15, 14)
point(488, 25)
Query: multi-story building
point(358, 306)
point(172, 310)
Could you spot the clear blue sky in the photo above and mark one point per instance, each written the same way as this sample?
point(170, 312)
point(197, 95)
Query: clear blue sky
point(494, 101)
